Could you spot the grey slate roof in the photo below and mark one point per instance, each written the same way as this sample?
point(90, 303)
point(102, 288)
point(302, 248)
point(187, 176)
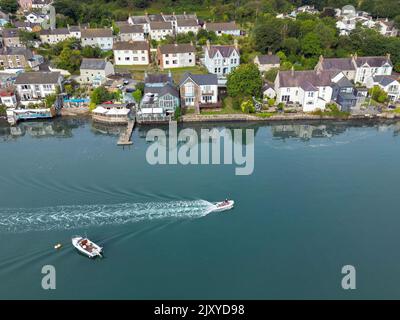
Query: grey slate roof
point(160, 25)
point(157, 78)
point(96, 33)
point(18, 51)
point(93, 64)
point(374, 62)
point(138, 20)
point(221, 26)
point(225, 51)
point(131, 45)
point(186, 23)
point(269, 59)
point(10, 33)
point(338, 64)
point(38, 77)
point(308, 79)
point(57, 31)
point(165, 89)
point(383, 80)
point(177, 48)
point(131, 29)
point(200, 79)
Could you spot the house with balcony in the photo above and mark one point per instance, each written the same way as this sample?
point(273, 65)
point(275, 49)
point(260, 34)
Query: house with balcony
point(199, 91)
point(310, 89)
point(221, 59)
point(131, 53)
point(8, 98)
point(95, 71)
point(100, 37)
point(388, 84)
point(158, 30)
point(33, 87)
point(160, 99)
point(176, 55)
point(220, 28)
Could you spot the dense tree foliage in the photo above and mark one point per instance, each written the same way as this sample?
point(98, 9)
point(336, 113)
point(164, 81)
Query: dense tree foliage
point(245, 80)
point(9, 6)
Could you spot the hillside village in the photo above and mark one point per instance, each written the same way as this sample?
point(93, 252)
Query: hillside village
point(157, 67)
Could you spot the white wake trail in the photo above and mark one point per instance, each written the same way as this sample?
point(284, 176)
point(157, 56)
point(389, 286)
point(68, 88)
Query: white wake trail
point(78, 216)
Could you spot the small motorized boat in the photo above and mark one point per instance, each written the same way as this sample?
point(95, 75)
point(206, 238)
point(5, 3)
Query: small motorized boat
point(224, 205)
point(58, 246)
point(87, 247)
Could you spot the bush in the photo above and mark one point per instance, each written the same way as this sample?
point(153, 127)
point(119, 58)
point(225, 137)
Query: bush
point(248, 106)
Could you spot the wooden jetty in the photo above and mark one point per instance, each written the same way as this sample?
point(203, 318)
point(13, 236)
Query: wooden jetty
point(125, 137)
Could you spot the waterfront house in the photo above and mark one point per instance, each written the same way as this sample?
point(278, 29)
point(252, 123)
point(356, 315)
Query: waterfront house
point(131, 33)
point(343, 93)
point(358, 69)
point(158, 30)
point(8, 98)
point(267, 62)
point(199, 91)
point(268, 91)
point(95, 71)
point(220, 28)
point(187, 25)
point(221, 59)
point(310, 89)
point(176, 55)
point(111, 113)
point(387, 83)
point(33, 87)
point(160, 99)
point(131, 53)
point(102, 38)
point(11, 38)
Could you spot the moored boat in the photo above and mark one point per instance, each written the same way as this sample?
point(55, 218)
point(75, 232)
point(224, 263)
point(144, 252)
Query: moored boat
point(87, 247)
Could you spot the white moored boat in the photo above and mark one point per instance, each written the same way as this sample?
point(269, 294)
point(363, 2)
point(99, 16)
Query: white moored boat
point(87, 247)
point(223, 205)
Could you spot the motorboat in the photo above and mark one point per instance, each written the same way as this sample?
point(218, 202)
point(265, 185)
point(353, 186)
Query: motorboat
point(87, 247)
point(223, 205)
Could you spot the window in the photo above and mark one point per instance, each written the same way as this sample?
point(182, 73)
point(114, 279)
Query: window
point(285, 98)
point(310, 94)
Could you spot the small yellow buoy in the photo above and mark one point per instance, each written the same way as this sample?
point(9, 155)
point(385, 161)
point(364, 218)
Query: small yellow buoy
point(58, 246)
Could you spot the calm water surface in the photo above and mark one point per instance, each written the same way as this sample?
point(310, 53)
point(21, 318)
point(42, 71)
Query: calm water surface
point(322, 195)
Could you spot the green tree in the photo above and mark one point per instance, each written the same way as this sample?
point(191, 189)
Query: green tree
point(9, 6)
point(100, 95)
point(137, 95)
point(245, 80)
point(378, 94)
point(50, 100)
point(268, 34)
point(311, 45)
point(247, 106)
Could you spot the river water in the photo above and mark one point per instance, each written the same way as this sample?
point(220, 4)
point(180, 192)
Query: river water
point(322, 196)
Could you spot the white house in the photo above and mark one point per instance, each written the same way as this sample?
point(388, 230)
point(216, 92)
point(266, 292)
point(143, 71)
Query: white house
point(102, 38)
point(268, 91)
point(221, 28)
point(358, 69)
point(55, 36)
point(33, 87)
point(159, 30)
point(140, 21)
point(128, 32)
point(34, 17)
point(95, 71)
point(75, 31)
point(198, 90)
point(390, 85)
point(176, 55)
point(187, 25)
point(131, 53)
point(387, 28)
point(8, 98)
point(310, 89)
point(221, 60)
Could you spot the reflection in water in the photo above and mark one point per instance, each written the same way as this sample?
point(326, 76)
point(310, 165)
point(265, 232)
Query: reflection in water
point(63, 128)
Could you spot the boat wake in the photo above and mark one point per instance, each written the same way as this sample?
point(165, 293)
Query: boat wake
point(78, 216)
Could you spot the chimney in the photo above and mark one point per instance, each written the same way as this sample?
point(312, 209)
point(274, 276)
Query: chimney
point(208, 44)
point(191, 42)
point(321, 58)
point(355, 56)
point(388, 56)
point(269, 52)
point(235, 43)
point(292, 71)
point(170, 75)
